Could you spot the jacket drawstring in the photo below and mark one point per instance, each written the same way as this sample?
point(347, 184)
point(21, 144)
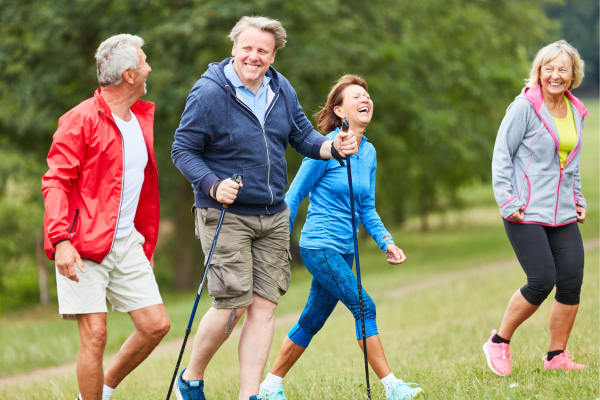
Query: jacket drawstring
point(229, 112)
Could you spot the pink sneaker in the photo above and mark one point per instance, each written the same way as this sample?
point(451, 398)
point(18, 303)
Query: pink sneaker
point(498, 356)
point(562, 361)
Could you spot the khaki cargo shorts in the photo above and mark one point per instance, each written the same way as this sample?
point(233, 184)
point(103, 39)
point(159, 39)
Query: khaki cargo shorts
point(125, 278)
point(252, 255)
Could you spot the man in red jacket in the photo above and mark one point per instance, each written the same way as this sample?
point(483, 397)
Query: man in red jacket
point(102, 215)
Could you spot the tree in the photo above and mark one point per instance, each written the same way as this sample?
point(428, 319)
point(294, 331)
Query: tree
point(579, 23)
point(440, 77)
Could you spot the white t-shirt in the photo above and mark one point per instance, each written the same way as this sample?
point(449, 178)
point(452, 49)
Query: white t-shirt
point(135, 158)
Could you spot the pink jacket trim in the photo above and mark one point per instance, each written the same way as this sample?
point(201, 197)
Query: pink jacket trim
point(511, 199)
point(534, 95)
point(529, 188)
point(541, 223)
point(575, 196)
point(527, 169)
point(578, 104)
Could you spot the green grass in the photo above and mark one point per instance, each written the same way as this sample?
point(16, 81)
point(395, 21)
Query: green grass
point(431, 335)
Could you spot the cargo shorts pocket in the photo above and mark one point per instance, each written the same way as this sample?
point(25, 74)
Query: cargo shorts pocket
point(285, 273)
point(205, 217)
point(228, 275)
point(197, 223)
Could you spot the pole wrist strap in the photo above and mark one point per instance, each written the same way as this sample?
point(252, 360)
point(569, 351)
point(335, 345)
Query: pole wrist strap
point(336, 155)
point(216, 185)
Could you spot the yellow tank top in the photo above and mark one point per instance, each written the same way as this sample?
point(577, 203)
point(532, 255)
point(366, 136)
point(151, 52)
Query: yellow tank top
point(567, 133)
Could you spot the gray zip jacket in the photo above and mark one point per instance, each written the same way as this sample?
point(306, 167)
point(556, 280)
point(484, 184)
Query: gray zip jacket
point(526, 168)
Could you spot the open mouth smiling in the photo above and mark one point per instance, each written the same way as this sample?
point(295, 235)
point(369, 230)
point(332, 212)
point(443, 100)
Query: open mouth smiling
point(363, 110)
point(252, 67)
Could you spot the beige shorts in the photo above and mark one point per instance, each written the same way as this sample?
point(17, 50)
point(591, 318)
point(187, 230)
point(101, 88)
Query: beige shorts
point(252, 255)
point(125, 278)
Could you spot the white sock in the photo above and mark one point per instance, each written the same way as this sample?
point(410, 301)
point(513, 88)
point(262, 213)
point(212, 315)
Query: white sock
point(107, 392)
point(387, 383)
point(271, 382)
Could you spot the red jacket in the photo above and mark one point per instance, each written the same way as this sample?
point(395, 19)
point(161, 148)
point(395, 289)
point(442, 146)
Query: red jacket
point(83, 186)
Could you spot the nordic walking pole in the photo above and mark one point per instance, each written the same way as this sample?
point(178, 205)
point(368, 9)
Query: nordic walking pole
point(237, 179)
point(345, 127)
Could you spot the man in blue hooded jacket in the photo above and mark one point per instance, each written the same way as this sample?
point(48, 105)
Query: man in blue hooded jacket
point(239, 119)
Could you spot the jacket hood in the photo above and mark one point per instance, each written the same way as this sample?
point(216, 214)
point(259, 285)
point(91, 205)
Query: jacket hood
point(534, 96)
point(216, 73)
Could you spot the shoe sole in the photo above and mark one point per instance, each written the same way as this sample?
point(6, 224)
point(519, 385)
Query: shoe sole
point(556, 369)
point(489, 360)
point(177, 390)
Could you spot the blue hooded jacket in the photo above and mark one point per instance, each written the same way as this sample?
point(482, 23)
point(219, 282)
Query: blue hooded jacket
point(219, 136)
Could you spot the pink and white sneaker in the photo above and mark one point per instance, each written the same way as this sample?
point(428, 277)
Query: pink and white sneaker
point(562, 361)
point(498, 356)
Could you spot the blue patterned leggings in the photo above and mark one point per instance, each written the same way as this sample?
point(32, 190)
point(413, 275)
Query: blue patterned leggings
point(333, 281)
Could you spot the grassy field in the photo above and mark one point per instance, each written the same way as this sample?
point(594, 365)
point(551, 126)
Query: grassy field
point(434, 313)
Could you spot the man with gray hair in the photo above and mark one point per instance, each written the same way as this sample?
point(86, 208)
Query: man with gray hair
point(102, 215)
point(239, 119)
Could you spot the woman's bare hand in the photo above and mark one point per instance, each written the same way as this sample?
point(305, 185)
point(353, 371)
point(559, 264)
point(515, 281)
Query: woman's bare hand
point(581, 214)
point(517, 216)
point(395, 255)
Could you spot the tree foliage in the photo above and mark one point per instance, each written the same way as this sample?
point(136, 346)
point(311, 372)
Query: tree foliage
point(579, 23)
point(440, 74)
point(21, 211)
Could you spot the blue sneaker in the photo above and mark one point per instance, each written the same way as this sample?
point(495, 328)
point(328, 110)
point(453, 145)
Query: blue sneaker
point(256, 397)
point(188, 390)
point(403, 391)
point(276, 395)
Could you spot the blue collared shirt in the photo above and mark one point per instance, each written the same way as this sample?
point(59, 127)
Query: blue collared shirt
point(257, 103)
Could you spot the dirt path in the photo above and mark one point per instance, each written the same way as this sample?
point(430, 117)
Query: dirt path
point(169, 347)
point(173, 346)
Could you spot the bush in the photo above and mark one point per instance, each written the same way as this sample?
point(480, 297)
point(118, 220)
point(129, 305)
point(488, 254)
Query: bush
point(21, 213)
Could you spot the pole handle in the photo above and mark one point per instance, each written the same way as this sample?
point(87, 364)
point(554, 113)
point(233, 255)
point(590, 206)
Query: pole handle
point(237, 179)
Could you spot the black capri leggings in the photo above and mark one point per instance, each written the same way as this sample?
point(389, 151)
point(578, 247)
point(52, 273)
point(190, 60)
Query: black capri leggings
point(549, 256)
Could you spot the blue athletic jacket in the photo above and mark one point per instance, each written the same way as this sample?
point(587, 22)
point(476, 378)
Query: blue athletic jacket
point(329, 220)
point(219, 136)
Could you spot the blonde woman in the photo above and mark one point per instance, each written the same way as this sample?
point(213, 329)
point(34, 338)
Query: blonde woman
point(535, 173)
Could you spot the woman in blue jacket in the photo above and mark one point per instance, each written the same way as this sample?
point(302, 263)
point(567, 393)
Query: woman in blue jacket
point(326, 243)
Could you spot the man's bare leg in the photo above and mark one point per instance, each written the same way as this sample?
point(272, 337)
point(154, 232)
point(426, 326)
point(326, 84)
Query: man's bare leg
point(151, 325)
point(90, 374)
point(209, 338)
point(255, 343)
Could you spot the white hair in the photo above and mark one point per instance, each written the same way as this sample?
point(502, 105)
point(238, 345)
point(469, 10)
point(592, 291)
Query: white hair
point(115, 55)
point(549, 53)
point(264, 24)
